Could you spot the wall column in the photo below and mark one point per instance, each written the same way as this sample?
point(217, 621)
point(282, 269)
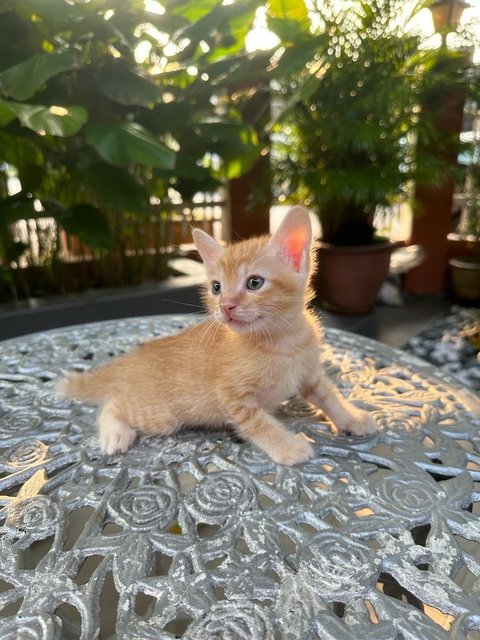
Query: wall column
point(433, 219)
point(250, 195)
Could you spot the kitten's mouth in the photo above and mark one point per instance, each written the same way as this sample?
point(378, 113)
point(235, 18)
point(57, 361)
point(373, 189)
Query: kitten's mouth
point(237, 322)
point(242, 323)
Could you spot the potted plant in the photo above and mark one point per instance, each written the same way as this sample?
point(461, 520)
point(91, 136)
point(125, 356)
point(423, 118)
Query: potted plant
point(465, 266)
point(345, 142)
point(465, 270)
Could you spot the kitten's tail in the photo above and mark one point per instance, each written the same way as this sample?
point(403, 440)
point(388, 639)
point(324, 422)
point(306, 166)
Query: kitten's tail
point(92, 386)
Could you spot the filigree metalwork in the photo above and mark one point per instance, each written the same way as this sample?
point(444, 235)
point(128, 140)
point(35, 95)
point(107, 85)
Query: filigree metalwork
point(201, 536)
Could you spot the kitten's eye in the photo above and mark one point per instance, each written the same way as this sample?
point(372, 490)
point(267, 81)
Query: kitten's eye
point(216, 287)
point(255, 282)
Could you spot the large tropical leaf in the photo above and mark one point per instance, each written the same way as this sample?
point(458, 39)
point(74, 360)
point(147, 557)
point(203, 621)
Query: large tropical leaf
point(125, 87)
point(7, 112)
point(192, 178)
point(226, 138)
point(129, 143)
point(24, 79)
point(7, 5)
point(117, 188)
point(229, 20)
point(89, 224)
point(233, 33)
point(56, 13)
point(236, 143)
point(193, 10)
point(229, 140)
point(239, 165)
point(17, 207)
point(295, 58)
point(288, 9)
point(54, 120)
point(21, 150)
point(167, 117)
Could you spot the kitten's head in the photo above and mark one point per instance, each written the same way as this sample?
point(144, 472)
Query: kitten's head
point(259, 284)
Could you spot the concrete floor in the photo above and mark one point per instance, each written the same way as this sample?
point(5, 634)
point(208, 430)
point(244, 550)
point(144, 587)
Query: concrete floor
point(393, 325)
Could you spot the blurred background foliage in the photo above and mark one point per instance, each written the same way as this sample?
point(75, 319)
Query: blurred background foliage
point(105, 107)
point(360, 124)
point(114, 113)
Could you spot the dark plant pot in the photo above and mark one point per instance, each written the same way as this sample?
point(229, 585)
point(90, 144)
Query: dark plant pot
point(465, 279)
point(348, 279)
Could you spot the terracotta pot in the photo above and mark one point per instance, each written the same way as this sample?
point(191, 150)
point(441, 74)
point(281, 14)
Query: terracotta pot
point(465, 279)
point(348, 279)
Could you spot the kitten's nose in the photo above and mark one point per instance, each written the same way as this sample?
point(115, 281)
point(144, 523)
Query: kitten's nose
point(227, 308)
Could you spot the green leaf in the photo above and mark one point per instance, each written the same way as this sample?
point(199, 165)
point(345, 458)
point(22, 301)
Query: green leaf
point(89, 224)
point(227, 139)
point(129, 143)
point(55, 120)
point(24, 79)
point(230, 21)
point(14, 208)
point(21, 150)
point(235, 143)
point(288, 9)
point(289, 31)
point(233, 36)
point(7, 113)
point(186, 167)
point(31, 176)
point(7, 5)
point(167, 117)
point(193, 10)
point(125, 87)
point(117, 188)
point(189, 187)
point(296, 57)
point(238, 166)
point(54, 12)
point(16, 249)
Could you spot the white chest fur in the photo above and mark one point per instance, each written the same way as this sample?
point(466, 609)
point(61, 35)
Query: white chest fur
point(283, 377)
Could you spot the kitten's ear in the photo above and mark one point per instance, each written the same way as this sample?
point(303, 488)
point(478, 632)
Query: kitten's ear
point(208, 248)
point(293, 238)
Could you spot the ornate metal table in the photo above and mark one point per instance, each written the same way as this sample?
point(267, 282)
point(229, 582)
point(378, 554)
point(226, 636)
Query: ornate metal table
point(201, 537)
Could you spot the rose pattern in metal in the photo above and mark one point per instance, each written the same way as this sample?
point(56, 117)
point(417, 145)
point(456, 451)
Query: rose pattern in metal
point(200, 536)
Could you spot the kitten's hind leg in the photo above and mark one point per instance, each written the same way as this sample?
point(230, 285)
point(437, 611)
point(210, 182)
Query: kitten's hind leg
point(116, 436)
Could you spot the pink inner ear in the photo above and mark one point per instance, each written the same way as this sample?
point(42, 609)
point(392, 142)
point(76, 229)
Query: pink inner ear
point(295, 246)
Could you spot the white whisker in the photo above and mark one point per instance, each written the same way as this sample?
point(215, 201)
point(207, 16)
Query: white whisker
point(285, 335)
point(204, 338)
point(184, 304)
point(266, 331)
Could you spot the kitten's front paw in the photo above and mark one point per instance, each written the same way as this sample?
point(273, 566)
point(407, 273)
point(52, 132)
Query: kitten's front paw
point(116, 438)
point(360, 423)
point(292, 450)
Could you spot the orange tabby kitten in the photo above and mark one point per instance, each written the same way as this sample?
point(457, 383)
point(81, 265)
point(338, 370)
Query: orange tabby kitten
point(259, 347)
